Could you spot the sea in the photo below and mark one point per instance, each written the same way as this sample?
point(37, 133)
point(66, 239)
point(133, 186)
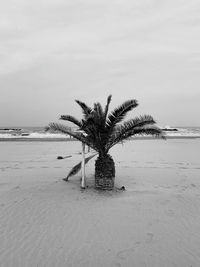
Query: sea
point(39, 133)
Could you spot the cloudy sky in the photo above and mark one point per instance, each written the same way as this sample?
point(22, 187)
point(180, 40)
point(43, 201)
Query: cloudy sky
point(55, 51)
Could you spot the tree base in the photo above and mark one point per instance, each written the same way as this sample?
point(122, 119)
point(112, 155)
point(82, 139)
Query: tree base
point(104, 173)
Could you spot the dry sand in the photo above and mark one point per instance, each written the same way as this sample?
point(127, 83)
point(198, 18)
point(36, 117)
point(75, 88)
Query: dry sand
point(47, 222)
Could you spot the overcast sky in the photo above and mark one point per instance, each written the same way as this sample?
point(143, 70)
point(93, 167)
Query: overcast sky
point(55, 51)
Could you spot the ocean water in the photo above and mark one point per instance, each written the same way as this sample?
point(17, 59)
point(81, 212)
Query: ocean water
point(27, 132)
point(15, 133)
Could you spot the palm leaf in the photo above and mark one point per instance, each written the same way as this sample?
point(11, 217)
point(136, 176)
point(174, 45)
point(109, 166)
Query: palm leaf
point(97, 118)
point(107, 107)
point(121, 130)
point(98, 110)
point(86, 110)
point(71, 119)
point(148, 130)
point(67, 130)
point(77, 167)
point(119, 113)
point(133, 123)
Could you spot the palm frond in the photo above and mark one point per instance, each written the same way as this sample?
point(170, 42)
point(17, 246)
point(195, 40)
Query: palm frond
point(85, 109)
point(71, 119)
point(98, 110)
point(46, 128)
point(119, 113)
point(94, 125)
point(58, 127)
point(142, 121)
point(67, 130)
point(149, 130)
point(96, 118)
point(133, 123)
point(128, 126)
point(77, 167)
point(107, 107)
point(125, 133)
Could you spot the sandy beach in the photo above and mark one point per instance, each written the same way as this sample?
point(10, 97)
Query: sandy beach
point(47, 222)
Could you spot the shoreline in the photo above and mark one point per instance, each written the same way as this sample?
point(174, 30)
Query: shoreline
point(72, 139)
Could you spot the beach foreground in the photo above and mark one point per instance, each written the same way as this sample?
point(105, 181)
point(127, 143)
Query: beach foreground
point(47, 222)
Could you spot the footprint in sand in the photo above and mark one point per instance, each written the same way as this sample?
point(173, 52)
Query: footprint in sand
point(17, 187)
point(122, 254)
point(170, 213)
point(149, 238)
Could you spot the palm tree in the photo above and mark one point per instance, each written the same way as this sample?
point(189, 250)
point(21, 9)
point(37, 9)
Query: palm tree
point(101, 130)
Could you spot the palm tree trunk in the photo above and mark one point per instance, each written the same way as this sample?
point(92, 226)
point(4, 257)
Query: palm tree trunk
point(104, 172)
